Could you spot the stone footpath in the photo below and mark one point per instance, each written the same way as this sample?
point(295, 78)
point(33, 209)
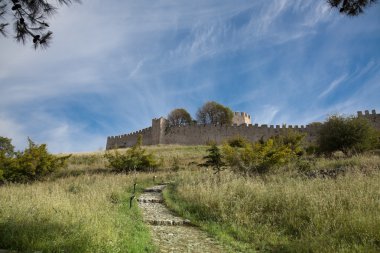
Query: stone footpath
point(172, 233)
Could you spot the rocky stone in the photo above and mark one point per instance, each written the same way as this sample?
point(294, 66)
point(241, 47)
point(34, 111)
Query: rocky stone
point(170, 232)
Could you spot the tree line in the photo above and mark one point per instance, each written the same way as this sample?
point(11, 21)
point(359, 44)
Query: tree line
point(350, 135)
point(210, 113)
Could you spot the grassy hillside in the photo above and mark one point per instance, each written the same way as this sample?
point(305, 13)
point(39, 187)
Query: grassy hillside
point(169, 155)
point(84, 208)
point(330, 205)
point(88, 213)
point(287, 212)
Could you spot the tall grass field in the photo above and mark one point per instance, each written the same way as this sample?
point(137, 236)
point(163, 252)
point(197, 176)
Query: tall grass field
point(327, 205)
point(89, 213)
point(285, 212)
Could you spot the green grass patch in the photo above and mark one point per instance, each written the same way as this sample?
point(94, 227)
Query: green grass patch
point(89, 213)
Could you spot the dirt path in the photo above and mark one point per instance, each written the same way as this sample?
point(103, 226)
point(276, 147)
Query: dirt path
point(172, 233)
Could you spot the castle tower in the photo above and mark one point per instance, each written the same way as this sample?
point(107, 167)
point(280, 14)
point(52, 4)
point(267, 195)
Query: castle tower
point(158, 130)
point(241, 118)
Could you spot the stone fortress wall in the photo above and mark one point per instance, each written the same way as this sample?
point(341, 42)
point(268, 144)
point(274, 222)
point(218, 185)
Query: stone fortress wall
point(158, 133)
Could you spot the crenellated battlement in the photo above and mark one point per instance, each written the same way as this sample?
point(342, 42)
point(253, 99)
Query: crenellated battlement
point(244, 114)
point(198, 134)
point(240, 118)
point(367, 113)
point(373, 117)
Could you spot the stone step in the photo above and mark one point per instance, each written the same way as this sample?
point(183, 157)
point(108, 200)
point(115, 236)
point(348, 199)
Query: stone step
point(150, 200)
point(157, 188)
point(168, 222)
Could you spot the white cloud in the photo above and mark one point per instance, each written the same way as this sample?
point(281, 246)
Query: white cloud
point(333, 85)
point(129, 61)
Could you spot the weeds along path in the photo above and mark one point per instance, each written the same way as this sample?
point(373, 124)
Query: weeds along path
point(169, 232)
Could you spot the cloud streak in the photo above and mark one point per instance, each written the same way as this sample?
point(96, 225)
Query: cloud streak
point(333, 85)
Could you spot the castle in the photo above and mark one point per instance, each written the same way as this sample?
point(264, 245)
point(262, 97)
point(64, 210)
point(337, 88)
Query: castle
point(158, 133)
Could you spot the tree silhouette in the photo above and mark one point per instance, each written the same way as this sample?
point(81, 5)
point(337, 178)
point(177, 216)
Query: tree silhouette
point(30, 19)
point(350, 7)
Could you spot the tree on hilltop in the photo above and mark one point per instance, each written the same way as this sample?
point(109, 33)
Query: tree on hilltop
point(351, 7)
point(347, 134)
point(214, 113)
point(30, 19)
point(179, 117)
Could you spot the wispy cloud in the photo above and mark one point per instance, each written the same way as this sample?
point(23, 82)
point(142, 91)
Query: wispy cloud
point(333, 85)
point(113, 67)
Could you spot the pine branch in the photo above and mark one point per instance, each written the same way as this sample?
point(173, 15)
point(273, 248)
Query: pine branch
point(30, 19)
point(351, 7)
point(2, 29)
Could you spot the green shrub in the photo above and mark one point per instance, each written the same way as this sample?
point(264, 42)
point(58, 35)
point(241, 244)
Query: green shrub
point(134, 159)
point(260, 157)
point(311, 149)
point(237, 142)
point(347, 134)
point(6, 146)
point(292, 139)
point(1, 175)
point(34, 163)
point(175, 164)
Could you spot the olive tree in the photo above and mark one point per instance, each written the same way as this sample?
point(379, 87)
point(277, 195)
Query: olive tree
point(179, 117)
point(214, 113)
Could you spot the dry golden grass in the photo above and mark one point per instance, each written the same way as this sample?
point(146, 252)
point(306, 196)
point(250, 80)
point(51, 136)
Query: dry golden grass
point(85, 208)
point(284, 212)
point(93, 162)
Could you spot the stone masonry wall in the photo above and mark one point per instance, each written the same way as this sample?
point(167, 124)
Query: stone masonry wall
point(128, 140)
point(203, 134)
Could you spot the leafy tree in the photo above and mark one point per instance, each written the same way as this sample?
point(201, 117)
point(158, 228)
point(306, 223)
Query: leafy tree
point(346, 134)
point(30, 19)
point(179, 117)
point(6, 146)
point(214, 159)
point(214, 113)
point(350, 7)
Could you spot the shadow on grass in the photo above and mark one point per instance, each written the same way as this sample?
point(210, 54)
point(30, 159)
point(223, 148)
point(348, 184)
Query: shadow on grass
point(45, 236)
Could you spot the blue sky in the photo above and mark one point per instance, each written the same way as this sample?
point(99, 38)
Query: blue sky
point(114, 66)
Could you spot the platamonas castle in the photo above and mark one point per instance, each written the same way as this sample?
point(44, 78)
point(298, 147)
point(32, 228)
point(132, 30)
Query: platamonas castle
point(197, 134)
